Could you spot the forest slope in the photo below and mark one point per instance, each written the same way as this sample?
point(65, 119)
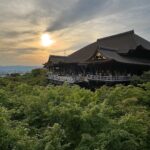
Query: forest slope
point(34, 117)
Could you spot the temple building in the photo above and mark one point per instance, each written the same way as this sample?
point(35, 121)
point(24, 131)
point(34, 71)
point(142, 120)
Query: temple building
point(113, 59)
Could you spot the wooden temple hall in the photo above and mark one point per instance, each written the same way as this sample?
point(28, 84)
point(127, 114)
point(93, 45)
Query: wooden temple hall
point(113, 59)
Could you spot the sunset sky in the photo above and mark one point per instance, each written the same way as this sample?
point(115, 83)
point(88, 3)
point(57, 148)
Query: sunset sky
point(71, 24)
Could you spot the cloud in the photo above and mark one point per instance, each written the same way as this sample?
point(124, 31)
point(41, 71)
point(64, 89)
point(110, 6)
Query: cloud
point(82, 10)
point(26, 50)
point(76, 23)
point(14, 34)
point(20, 51)
point(86, 10)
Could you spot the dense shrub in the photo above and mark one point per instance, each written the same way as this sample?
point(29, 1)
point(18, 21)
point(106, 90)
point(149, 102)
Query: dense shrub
point(71, 118)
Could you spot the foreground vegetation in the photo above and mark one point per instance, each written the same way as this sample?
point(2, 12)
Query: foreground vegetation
point(35, 117)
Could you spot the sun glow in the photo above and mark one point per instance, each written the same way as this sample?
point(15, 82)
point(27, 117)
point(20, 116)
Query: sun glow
point(46, 40)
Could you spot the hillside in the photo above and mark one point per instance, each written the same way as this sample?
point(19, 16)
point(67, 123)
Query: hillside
point(35, 117)
point(16, 69)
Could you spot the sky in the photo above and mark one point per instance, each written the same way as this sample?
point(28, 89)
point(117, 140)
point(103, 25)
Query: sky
point(72, 24)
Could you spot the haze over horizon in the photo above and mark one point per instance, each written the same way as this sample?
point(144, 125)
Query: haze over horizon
point(72, 24)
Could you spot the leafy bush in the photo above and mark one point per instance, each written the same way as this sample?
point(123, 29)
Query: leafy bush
point(145, 77)
point(34, 117)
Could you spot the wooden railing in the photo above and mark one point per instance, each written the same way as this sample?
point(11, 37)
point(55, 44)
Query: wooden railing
point(109, 78)
point(67, 79)
point(76, 79)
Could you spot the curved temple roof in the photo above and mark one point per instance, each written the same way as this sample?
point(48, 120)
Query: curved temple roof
point(113, 55)
point(112, 47)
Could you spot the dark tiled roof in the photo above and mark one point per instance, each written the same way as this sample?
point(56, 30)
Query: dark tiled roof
point(140, 41)
point(57, 59)
point(121, 42)
point(83, 54)
point(116, 45)
point(113, 55)
point(124, 42)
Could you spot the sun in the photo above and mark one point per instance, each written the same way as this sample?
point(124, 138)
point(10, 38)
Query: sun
point(46, 40)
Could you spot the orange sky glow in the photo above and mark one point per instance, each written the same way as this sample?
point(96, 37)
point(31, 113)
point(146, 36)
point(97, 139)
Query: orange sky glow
point(64, 28)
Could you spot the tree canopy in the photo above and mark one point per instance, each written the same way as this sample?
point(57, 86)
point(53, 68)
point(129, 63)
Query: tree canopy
point(35, 117)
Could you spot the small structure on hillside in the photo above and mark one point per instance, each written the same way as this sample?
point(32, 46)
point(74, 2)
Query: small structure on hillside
point(113, 59)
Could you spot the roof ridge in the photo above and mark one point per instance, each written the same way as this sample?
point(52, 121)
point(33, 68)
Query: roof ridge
point(134, 39)
point(108, 49)
point(83, 48)
point(119, 34)
point(142, 38)
point(57, 56)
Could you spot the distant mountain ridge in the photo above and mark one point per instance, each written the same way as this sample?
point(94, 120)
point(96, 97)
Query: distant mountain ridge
point(17, 69)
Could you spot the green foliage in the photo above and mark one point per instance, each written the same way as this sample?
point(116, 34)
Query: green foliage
point(36, 77)
point(145, 77)
point(54, 138)
point(37, 117)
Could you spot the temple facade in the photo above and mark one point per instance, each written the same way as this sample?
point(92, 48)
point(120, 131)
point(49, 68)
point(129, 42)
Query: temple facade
point(113, 59)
